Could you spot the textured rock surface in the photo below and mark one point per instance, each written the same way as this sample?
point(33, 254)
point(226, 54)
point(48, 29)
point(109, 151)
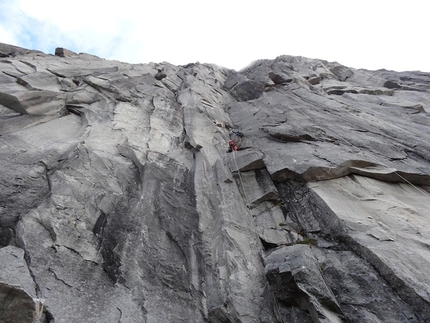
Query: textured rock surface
point(116, 184)
point(18, 302)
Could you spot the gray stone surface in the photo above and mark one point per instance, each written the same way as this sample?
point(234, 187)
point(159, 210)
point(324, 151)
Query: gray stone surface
point(296, 279)
point(18, 302)
point(14, 270)
point(116, 184)
point(7, 50)
point(63, 52)
point(19, 307)
point(245, 160)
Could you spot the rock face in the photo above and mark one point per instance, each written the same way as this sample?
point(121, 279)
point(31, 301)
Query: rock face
point(120, 203)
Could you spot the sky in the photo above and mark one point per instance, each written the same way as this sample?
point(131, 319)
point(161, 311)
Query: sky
point(389, 34)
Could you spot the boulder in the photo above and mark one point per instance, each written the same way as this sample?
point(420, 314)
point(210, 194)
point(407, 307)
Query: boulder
point(63, 52)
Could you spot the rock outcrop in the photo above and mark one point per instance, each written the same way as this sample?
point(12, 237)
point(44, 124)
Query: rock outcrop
point(120, 203)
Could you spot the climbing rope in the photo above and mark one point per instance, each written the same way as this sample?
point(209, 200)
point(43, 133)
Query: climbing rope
point(394, 171)
point(414, 186)
point(240, 178)
point(372, 157)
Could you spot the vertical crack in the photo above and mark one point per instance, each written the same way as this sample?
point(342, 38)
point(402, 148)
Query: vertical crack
point(120, 314)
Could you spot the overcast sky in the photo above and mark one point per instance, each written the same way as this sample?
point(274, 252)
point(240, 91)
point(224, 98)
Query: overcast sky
point(390, 34)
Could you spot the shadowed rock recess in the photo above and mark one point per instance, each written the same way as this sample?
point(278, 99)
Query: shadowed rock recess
point(120, 203)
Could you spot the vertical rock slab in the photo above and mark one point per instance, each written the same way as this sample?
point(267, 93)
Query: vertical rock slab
point(363, 295)
point(256, 187)
point(295, 278)
point(386, 224)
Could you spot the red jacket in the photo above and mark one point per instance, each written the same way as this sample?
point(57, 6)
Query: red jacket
point(233, 145)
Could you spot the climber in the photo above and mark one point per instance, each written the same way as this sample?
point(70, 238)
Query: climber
point(235, 145)
point(232, 146)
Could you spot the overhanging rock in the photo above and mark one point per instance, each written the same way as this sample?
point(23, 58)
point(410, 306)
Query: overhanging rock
point(245, 160)
point(35, 102)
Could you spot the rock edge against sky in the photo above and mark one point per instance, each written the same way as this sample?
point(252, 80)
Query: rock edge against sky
point(120, 203)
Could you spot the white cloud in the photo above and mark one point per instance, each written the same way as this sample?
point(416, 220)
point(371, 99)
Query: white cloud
point(7, 37)
point(365, 34)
